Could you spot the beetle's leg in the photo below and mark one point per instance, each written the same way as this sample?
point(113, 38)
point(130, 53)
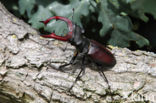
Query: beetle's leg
point(78, 76)
point(106, 79)
point(71, 61)
point(66, 64)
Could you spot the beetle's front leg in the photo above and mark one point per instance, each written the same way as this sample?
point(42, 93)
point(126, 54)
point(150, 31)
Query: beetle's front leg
point(71, 61)
point(82, 70)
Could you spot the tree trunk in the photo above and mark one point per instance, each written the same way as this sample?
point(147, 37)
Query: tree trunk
point(26, 77)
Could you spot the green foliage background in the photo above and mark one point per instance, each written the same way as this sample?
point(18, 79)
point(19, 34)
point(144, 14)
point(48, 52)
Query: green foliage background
point(107, 18)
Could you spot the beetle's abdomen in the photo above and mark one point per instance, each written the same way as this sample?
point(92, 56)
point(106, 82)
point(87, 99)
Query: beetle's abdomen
point(100, 54)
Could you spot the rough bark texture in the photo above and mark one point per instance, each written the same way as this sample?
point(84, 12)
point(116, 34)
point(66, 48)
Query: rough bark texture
point(26, 78)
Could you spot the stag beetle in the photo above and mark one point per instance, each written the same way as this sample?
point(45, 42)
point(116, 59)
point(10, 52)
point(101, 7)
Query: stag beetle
point(90, 48)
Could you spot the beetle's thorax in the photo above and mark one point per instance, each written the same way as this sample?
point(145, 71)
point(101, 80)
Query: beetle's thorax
point(79, 41)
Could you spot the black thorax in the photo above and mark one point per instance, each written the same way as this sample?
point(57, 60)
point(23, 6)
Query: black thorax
point(79, 41)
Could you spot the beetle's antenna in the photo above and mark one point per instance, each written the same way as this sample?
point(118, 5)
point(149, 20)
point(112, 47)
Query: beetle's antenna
point(73, 13)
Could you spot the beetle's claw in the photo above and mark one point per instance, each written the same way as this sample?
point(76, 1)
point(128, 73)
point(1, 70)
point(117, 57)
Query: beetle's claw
point(53, 35)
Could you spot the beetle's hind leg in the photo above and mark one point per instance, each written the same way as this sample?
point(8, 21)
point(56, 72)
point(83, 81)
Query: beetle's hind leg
point(106, 80)
point(101, 72)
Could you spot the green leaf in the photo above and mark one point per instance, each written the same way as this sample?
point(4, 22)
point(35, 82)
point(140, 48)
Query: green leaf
point(149, 7)
point(104, 17)
point(26, 6)
point(140, 40)
point(112, 14)
point(120, 25)
point(138, 8)
point(40, 15)
point(59, 27)
point(81, 8)
point(119, 38)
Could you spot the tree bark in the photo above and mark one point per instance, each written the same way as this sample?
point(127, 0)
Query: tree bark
point(26, 77)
